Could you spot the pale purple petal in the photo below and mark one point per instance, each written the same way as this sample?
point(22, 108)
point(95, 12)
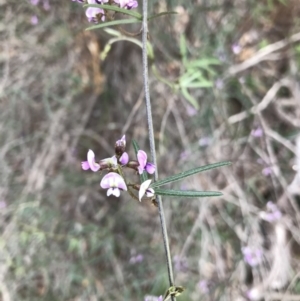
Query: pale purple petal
point(142, 159)
point(91, 160)
point(124, 159)
point(121, 183)
point(122, 141)
point(85, 165)
point(113, 180)
point(150, 168)
point(150, 192)
point(34, 2)
point(92, 13)
point(127, 4)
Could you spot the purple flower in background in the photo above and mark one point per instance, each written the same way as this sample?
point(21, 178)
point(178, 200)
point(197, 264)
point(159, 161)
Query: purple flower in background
point(46, 5)
point(127, 4)
point(143, 164)
point(34, 2)
point(267, 171)
point(180, 264)
point(258, 132)
point(34, 20)
point(114, 183)
point(236, 48)
point(3, 204)
point(205, 141)
point(203, 286)
point(253, 256)
point(90, 163)
point(144, 189)
point(191, 111)
point(136, 259)
point(273, 213)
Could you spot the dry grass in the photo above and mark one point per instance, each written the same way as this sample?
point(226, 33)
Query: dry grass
point(62, 239)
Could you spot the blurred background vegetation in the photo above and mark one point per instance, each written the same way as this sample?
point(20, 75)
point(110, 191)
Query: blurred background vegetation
point(224, 86)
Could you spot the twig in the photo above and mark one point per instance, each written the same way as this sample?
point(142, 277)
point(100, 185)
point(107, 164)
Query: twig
point(152, 142)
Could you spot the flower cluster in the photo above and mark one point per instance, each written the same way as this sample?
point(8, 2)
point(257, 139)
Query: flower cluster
point(114, 180)
point(96, 14)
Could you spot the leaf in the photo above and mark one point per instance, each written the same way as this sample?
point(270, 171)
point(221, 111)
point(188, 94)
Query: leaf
point(187, 193)
point(112, 23)
point(143, 176)
point(183, 49)
point(188, 173)
point(117, 9)
point(162, 14)
point(201, 84)
point(190, 98)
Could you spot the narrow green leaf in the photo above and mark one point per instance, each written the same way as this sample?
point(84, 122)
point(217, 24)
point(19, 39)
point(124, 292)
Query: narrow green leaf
point(161, 14)
point(136, 147)
point(189, 98)
point(188, 173)
point(200, 84)
point(187, 193)
point(117, 9)
point(112, 23)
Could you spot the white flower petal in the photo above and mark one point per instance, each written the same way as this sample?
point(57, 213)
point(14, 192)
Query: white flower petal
point(144, 186)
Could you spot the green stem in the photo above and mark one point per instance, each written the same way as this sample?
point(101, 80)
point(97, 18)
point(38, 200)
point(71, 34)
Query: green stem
point(152, 143)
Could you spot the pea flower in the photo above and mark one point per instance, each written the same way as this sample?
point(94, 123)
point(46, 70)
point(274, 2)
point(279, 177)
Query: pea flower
point(127, 4)
point(124, 159)
point(90, 163)
point(120, 151)
point(272, 214)
point(114, 183)
point(143, 164)
point(144, 189)
point(93, 13)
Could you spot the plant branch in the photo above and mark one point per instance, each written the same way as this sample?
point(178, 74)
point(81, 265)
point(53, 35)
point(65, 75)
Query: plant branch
point(152, 142)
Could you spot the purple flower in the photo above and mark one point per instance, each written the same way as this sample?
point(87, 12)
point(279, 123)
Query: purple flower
point(113, 182)
point(273, 213)
point(205, 141)
point(136, 259)
point(124, 159)
point(93, 13)
point(252, 256)
point(121, 142)
point(258, 132)
point(127, 4)
point(144, 189)
point(46, 5)
point(143, 164)
point(181, 264)
point(191, 111)
point(90, 163)
point(267, 171)
point(203, 286)
point(236, 48)
point(34, 2)
point(34, 20)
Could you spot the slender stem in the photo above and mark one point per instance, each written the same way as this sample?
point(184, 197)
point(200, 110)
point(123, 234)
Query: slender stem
point(152, 142)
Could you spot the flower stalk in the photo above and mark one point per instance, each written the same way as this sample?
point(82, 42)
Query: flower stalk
point(152, 143)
